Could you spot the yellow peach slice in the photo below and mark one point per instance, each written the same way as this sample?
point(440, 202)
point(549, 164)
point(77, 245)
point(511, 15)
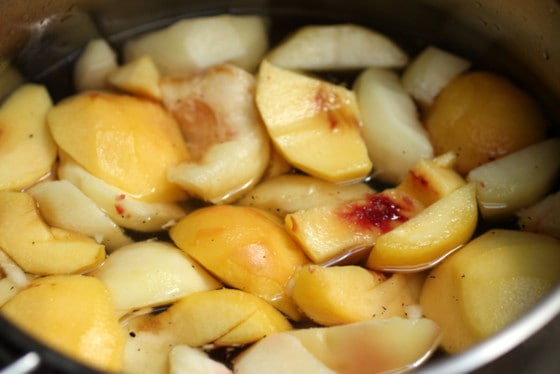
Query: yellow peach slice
point(426, 238)
point(38, 248)
point(73, 314)
point(125, 141)
point(488, 284)
point(138, 77)
point(219, 317)
point(245, 248)
point(27, 150)
point(344, 294)
point(314, 124)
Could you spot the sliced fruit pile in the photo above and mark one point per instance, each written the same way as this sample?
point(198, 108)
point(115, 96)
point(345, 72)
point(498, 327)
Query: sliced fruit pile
point(212, 196)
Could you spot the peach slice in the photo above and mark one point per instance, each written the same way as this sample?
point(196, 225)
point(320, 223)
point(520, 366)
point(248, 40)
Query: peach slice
point(344, 294)
point(429, 236)
point(92, 68)
point(488, 284)
point(125, 210)
point(189, 46)
point(63, 205)
point(73, 314)
point(219, 317)
point(336, 47)
point(430, 71)
point(123, 140)
point(377, 346)
point(292, 192)
point(223, 132)
point(41, 249)
point(27, 150)
point(151, 273)
point(326, 232)
point(393, 134)
point(245, 248)
point(138, 77)
point(314, 124)
point(517, 180)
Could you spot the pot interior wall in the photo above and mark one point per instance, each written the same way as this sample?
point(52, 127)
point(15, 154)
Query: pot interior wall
point(512, 37)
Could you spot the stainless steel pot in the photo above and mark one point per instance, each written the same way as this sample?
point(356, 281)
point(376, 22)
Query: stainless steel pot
point(517, 37)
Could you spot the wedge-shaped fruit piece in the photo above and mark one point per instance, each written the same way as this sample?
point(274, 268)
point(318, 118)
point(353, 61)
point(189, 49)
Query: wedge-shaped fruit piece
point(393, 134)
point(430, 71)
point(73, 314)
point(63, 205)
point(432, 179)
point(482, 116)
point(516, 181)
point(336, 47)
point(488, 284)
point(38, 248)
point(151, 273)
point(327, 232)
point(381, 346)
point(27, 151)
point(223, 132)
point(126, 141)
point(138, 77)
point(94, 65)
point(185, 359)
point(292, 192)
point(313, 123)
point(542, 217)
point(245, 248)
point(428, 237)
point(343, 294)
point(124, 209)
point(192, 45)
point(220, 317)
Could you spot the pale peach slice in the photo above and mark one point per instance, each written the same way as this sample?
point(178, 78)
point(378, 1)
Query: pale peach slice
point(517, 180)
point(63, 205)
point(125, 210)
point(151, 273)
point(430, 71)
point(189, 46)
point(289, 193)
point(73, 314)
point(393, 134)
point(336, 47)
point(92, 68)
point(542, 217)
point(314, 124)
point(27, 150)
point(428, 237)
point(378, 346)
point(223, 132)
point(41, 249)
point(245, 248)
point(184, 359)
